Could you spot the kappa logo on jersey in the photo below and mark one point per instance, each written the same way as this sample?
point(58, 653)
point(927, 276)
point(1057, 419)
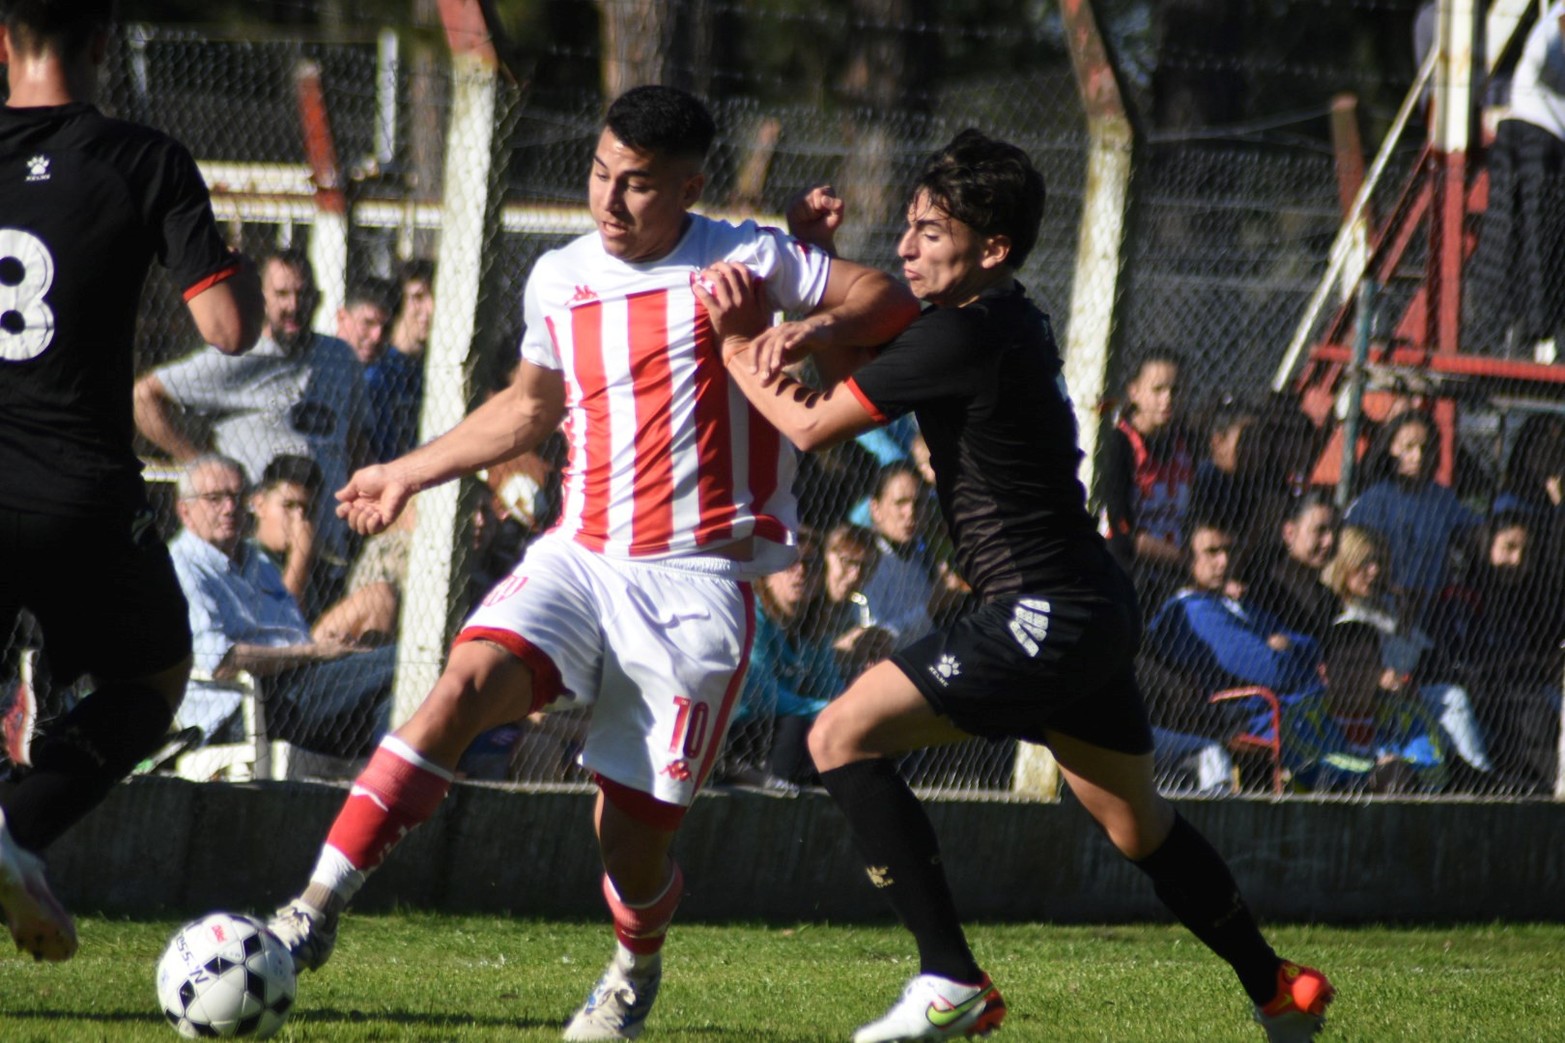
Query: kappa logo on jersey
point(38, 168)
point(678, 770)
point(880, 876)
point(582, 295)
point(1030, 624)
point(948, 667)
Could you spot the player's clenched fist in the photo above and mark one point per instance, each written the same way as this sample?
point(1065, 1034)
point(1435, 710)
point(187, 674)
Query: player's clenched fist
point(372, 499)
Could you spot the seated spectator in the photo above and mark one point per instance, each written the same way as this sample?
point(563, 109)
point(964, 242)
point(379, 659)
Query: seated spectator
point(1220, 641)
point(900, 591)
point(851, 556)
point(1146, 475)
point(1410, 660)
point(324, 696)
point(362, 319)
point(394, 383)
point(1289, 584)
point(284, 509)
point(793, 670)
point(1501, 627)
point(295, 392)
point(1534, 484)
point(1348, 733)
point(1416, 515)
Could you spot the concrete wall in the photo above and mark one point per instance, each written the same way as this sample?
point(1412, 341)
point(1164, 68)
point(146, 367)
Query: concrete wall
point(167, 845)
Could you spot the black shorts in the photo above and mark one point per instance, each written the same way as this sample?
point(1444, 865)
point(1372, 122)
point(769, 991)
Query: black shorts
point(1022, 665)
point(102, 589)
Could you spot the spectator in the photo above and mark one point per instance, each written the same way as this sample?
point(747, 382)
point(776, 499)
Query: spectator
point(321, 695)
point(395, 381)
point(284, 509)
point(899, 591)
point(1534, 484)
point(1147, 472)
point(1410, 660)
point(1502, 628)
point(1518, 280)
point(362, 319)
point(1290, 586)
point(296, 392)
point(793, 670)
point(1416, 516)
point(851, 556)
point(1224, 495)
point(1220, 641)
point(1349, 733)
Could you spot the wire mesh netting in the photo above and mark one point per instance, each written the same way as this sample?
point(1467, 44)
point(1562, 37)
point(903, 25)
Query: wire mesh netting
point(1218, 493)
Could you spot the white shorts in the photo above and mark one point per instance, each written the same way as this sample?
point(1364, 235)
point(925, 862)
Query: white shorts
point(658, 651)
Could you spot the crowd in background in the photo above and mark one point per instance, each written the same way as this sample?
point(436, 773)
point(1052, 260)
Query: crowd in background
point(1248, 574)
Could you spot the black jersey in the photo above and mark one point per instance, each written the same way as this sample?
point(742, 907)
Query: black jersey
point(986, 386)
point(86, 204)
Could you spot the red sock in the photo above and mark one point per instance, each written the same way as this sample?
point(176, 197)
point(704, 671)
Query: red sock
point(642, 928)
point(397, 791)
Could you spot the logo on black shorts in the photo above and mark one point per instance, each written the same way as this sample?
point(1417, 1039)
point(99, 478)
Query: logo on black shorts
point(1030, 624)
point(948, 667)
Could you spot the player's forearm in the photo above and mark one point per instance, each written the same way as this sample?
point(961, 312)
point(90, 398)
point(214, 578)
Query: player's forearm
point(797, 410)
point(874, 309)
point(504, 427)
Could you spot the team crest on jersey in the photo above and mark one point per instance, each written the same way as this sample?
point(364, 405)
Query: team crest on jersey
point(38, 168)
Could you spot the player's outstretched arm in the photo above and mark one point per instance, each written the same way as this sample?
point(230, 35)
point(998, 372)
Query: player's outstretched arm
point(229, 314)
point(810, 419)
point(509, 424)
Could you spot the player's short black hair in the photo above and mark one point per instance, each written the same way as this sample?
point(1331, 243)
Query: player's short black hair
point(662, 120)
point(66, 26)
point(291, 469)
point(990, 186)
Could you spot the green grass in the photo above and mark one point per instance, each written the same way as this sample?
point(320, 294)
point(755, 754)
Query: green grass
point(420, 976)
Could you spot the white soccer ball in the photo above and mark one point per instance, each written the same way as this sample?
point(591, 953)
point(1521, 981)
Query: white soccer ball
point(226, 975)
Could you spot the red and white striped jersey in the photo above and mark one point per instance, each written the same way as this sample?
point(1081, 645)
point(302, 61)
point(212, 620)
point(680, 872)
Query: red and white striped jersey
point(666, 458)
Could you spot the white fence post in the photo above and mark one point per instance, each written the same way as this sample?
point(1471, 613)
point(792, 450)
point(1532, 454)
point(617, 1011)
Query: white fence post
point(434, 575)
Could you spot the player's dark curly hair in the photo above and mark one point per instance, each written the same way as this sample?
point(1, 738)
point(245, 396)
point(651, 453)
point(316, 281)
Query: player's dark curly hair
point(990, 186)
point(65, 26)
point(662, 120)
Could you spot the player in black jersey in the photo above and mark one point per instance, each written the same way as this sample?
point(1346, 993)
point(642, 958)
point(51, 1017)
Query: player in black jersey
point(1046, 656)
point(86, 204)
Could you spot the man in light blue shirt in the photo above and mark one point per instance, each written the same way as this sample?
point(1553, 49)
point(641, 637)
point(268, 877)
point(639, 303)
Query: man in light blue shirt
point(322, 695)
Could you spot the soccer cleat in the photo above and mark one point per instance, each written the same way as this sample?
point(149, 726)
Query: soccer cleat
point(1298, 1012)
point(38, 921)
point(308, 933)
point(618, 1006)
point(937, 1008)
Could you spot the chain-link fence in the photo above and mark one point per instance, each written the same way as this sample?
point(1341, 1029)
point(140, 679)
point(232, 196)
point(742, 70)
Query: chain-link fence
point(1229, 233)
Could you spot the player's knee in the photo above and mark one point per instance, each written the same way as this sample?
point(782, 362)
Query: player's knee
point(830, 741)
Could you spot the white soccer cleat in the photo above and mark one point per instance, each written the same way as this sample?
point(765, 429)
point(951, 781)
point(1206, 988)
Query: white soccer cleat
point(937, 1008)
point(309, 934)
point(618, 1006)
point(38, 921)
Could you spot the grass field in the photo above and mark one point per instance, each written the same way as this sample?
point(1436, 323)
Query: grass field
point(429, 977)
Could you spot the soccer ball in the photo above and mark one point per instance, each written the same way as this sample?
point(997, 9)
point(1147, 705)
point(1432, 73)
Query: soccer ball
point(226, 975)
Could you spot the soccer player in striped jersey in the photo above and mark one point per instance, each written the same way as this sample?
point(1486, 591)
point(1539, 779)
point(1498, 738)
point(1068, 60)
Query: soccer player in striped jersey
point(637, 603)
point(1047, 654)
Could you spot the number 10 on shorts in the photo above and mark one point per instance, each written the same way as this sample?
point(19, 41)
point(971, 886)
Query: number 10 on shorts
point(691, 720)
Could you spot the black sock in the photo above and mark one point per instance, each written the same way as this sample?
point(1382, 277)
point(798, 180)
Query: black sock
point(902, 859)
point(1194, 882)
point(80, 758)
